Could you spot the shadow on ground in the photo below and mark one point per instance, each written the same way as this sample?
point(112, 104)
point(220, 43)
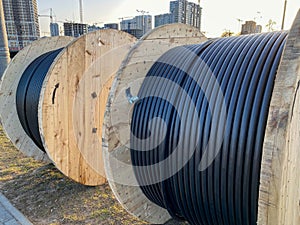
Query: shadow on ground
point(45, 196)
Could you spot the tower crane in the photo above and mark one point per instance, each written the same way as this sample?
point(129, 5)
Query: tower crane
point(49, 15)
point(122, 18)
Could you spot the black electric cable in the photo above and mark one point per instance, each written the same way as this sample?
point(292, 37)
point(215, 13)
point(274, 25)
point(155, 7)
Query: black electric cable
point(179, 190)
point(164, 89)
point(187, 176)
point(188, 209)
point(230, 69)
point(28, 94)
point(210, 92)
point(149, 114)
point(213, 61)
point(189, 84)
point(142, 176)
point(256, 75)
point(263, 115)
point(225, 72)
point(208, 106)
point(213, 185)
point(153, 83)
point(240, 68)
point(181, 76)
point(250, 115)
point(239, 128)
point(242, 71)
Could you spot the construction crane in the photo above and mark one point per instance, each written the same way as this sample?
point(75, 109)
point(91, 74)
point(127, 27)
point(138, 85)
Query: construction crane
point(54, 30)
point(97, 23)
point(49, 16)
point(240, 21)
point(122, 18)
point(143, 12)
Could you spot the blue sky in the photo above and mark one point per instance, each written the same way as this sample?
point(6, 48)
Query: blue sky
point(218, 15)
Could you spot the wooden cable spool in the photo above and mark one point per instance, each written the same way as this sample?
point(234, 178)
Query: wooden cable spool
point(73, 101)
point(279, 196)
point(9, 84)
point(116, 134)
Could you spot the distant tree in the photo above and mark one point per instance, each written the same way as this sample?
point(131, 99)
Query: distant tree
point(227, 33)
point(270, 25)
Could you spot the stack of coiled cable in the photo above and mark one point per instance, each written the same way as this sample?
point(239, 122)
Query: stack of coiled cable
point(28, 94)
point(198, 128)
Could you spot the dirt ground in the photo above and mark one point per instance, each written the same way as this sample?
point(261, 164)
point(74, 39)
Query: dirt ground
point(45, 196)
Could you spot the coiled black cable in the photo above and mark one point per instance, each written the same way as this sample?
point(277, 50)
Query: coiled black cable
point(28, 94)
point(237, 73)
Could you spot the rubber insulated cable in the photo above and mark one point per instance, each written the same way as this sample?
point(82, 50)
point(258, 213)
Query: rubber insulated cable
point(192, 157)
point(28, 94)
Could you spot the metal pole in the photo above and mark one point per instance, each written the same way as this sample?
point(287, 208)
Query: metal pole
point(4, 51)
point(284, 12)
point(143, 24)
point(81, 10)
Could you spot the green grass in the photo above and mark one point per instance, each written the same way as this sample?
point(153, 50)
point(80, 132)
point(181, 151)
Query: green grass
point(46, 196)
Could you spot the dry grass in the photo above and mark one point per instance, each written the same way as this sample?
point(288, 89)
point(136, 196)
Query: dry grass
point(46, 196)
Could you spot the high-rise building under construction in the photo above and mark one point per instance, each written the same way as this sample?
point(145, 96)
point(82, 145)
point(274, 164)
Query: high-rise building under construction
point(181, 11)
point(138, 26)
point(22, 24)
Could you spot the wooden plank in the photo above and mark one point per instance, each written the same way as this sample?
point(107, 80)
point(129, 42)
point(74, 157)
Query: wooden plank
point(279, 197)
point(117, 117)
point(9, 84)
point(71, 107)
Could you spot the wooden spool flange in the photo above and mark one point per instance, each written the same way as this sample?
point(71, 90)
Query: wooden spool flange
point(8, 89)
point(117, 117)
point(279, 196)
point(73, 101)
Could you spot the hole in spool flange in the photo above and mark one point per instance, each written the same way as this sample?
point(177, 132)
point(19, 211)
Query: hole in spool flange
point(54, 93)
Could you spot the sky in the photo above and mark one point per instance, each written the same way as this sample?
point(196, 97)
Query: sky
point(217, 17)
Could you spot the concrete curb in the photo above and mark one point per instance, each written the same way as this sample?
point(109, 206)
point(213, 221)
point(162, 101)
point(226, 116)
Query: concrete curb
point(15, 217)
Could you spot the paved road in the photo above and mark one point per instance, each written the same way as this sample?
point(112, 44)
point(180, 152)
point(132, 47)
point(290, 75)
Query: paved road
point(9, 215)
